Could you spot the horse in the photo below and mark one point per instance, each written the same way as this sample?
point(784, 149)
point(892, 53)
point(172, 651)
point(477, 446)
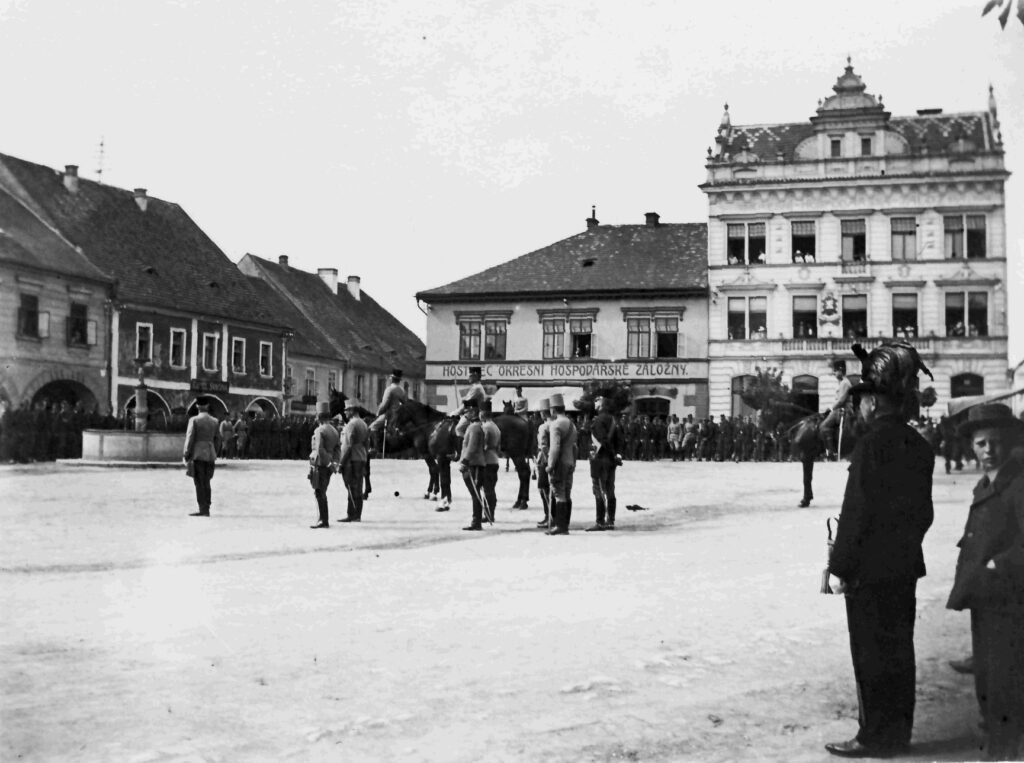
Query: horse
point(433, 438)
point(808, 444)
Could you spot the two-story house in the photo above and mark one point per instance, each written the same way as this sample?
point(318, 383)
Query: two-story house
point(615, 303)
point(182, 317)
point(856, 225)
point(53, 315)
point(359, 342)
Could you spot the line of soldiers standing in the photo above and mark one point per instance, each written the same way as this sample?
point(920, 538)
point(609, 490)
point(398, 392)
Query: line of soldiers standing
point(557, 450)
point(47, 431)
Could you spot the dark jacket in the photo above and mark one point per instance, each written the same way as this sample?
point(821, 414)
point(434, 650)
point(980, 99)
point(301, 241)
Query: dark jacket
point(606, 435)
point(994, 531)
point(887, 507)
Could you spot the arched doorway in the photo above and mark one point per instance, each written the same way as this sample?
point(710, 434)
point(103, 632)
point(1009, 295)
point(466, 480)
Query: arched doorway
point(740, 384)
point(217, 407)
point(805, 392)
point(159, 413)
point(54, 394)
point(966, 385)
point(266, 408)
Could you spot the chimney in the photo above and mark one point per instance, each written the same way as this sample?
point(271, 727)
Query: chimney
point(353, 286)
point(652, 219)
point(282, 260)
point(71, 177)
point(592, 221)
point(141, 199)
point(330, 277)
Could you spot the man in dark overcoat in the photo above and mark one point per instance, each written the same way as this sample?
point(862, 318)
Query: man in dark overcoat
point(605, 457)
point(877, 559)
point(989, 577)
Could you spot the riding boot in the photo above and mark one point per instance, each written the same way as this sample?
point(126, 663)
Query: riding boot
point(610, 523)
point(560, 519)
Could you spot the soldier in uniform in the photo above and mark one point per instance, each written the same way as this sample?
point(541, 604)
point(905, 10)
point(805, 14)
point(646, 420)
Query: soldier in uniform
point(543, 442)
point(353, 457)
point(492, 444)
point(604, 460)
point(520, 406)
point(324, 457)
point(561, 465)
point(471, 463)
point(831, 423)
point(202, 441)
point(392, 399)
point(471, 399)
point(989, 577)
point(876, 559)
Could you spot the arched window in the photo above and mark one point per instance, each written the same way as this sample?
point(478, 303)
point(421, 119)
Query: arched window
point(966, 385)
point(739, 384)
point(805, 393)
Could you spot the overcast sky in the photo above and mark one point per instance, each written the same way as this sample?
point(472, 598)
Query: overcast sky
point(414, 142)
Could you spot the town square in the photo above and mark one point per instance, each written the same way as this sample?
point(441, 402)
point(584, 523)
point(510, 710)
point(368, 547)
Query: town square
point(511, 381)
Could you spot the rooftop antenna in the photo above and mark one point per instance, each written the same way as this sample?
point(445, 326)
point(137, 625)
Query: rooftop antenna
point(99, 169)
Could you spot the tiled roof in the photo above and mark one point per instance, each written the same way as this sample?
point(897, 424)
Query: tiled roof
point(360, 331)
point(307, 339)
point(767, 141)
point(26, 240)
point(938, 133)
point(159, 257)
point(605, 259)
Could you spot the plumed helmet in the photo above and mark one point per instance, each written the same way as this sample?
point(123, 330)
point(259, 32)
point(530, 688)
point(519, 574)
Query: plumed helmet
point(891, 369)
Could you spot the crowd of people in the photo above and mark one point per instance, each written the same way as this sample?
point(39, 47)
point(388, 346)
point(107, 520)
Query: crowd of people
point(47, 431)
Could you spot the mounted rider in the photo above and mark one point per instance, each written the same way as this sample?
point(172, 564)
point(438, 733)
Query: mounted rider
point(392, 399)
point(832, 421)
point(471, 399)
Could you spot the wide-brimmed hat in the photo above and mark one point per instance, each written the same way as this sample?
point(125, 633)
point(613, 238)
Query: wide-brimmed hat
point(471, 403)
point(475, 370)
point(323, 408)
point(396, 372)
point(486, 407)
point(990, 416)
point(543, 404)
point(351, 403)
point(556, 401)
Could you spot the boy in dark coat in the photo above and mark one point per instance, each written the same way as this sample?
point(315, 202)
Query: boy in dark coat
point(989, 577)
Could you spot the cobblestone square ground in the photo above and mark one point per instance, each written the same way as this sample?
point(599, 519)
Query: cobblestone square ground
point(132, 632)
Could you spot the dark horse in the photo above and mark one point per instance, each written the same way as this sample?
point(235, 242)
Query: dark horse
point(433, 438)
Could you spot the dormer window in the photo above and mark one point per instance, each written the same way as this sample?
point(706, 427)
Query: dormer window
point(835, 147)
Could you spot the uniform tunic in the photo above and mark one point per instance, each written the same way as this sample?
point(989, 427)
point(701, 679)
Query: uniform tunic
point(353, 463)
point(202, 441)
point(325, 451)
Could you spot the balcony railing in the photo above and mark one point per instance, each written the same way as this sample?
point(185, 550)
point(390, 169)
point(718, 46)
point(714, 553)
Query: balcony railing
point(841, 345)
point(854, 267)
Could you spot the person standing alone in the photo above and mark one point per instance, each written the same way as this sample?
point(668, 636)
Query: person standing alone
point(202, 441)
point(877, 559)
point(324, 456)
point(604, 460)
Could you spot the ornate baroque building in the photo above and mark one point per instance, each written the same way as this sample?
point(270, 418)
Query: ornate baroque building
point(856, 225)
